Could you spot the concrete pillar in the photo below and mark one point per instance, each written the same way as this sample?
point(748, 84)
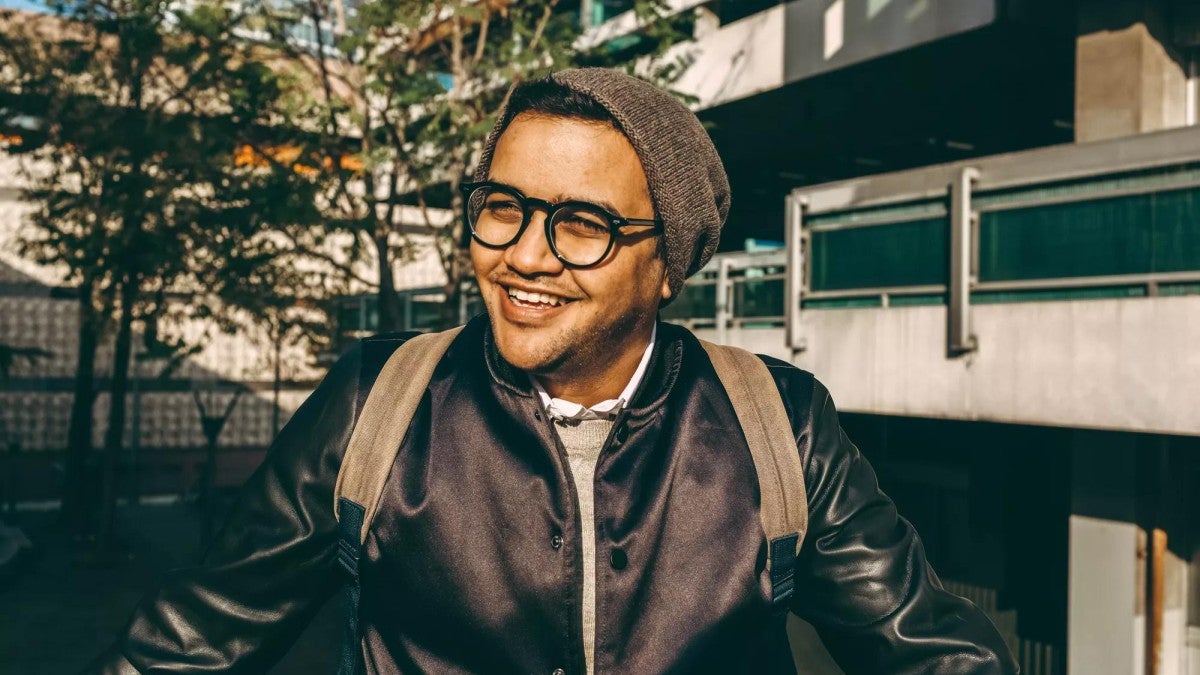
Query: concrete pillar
point(1105, 607)
point(1129, 77)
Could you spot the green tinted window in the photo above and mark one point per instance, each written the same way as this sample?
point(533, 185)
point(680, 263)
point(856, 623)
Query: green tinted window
point(902, 254)
point(694, 302)
point(1120, 235)
point(758, 297)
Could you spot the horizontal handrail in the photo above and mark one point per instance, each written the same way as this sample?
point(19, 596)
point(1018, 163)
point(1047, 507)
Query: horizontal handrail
point(1058, 283)
point(1089, 281)
point(742, 261)
point(842, 293)
point(1053, 164)
point(990, 204)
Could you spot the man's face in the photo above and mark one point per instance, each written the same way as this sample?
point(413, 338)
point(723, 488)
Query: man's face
point(604, 311)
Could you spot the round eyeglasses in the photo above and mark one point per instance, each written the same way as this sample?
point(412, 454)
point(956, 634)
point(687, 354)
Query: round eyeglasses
point(580, 234)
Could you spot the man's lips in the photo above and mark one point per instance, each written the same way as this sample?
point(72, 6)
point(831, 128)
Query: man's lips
point(533, 297)
point(525, 306)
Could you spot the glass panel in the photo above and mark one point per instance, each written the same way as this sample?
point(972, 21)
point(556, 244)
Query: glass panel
point(916, 300)
point(427, 315)
point(758, 297)
point(1179, 289)
point(358, 314)
point(902, 254)
point(694, 302)
point(1121, 235)
point(1175, 242)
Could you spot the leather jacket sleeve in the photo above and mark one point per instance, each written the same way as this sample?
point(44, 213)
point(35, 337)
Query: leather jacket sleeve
point(271, 566)
point(862, 579)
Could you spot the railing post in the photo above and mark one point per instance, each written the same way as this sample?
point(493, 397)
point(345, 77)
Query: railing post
point(797, 250)
point(962, 245)
point(724, 295)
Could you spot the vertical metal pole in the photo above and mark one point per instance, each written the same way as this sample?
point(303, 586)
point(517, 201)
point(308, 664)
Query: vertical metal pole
point(723, 296)
point(1192, 112)
point(960, 338)
point(135, 442)
point(796, 265)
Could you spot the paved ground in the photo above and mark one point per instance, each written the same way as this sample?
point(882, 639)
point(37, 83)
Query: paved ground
point(57, 612)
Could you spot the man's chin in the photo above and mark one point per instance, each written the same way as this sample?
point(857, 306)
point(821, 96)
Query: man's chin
point(531, 350)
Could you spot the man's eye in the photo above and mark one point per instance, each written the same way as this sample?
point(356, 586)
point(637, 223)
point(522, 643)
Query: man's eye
point(583, 225)
point(504, 209)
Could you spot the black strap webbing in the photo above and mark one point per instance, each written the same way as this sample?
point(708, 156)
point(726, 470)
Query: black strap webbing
point(349, 550)
point(783, 572)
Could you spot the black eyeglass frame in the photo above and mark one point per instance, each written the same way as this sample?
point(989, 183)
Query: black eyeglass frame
point(529, 204)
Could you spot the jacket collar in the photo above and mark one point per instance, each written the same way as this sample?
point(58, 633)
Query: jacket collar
point(660, 375)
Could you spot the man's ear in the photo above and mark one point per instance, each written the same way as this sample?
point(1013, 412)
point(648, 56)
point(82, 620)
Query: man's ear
point(666, 288)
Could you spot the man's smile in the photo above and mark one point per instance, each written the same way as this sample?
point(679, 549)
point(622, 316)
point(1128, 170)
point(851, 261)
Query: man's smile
point(530, 304)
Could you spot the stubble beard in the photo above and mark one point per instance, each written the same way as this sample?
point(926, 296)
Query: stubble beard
point(580, 352)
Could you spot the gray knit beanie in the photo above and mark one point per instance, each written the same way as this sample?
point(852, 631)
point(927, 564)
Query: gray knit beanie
point(687, 180)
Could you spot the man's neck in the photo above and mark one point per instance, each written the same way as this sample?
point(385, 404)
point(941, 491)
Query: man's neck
point(603, 381)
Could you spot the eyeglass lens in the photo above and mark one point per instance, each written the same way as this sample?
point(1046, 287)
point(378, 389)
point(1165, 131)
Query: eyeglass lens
point(579, 235)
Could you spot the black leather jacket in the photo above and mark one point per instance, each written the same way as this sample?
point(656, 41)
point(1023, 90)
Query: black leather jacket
point(464, 570)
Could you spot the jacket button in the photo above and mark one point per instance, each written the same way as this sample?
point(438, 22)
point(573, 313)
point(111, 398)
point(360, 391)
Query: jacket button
point(618, 559)
point(556, 541)
point(559, 671)
point(621, 434)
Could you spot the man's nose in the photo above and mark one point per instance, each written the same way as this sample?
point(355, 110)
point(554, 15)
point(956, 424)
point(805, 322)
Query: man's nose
point(531, 254)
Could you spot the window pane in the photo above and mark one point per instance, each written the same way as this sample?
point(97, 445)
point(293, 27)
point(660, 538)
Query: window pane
point(694, 302)
point(1121, 235)
point(758, 297)
point(903, 254)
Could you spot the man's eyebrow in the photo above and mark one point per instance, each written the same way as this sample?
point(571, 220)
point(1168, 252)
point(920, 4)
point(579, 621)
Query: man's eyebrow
point(562, 197)
point(604, 204)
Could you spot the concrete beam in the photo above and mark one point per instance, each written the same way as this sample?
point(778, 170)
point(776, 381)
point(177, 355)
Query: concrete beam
point(1129, 78)
point(1122, 364)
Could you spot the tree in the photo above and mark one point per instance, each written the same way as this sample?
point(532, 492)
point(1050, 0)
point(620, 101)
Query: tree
point(132, 114)
point(407, 92)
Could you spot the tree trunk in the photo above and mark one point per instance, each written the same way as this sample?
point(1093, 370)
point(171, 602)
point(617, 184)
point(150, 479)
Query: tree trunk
point(115, 433)
point(278, 383)
point(390, 316)
point(77, 490)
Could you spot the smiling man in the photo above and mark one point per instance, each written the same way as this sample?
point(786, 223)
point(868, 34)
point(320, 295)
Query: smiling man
point(574, 493)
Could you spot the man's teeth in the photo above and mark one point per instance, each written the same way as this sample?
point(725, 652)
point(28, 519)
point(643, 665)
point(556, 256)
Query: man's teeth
point(535, 298)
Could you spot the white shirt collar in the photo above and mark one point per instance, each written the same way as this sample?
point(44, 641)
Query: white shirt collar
point(561, 409)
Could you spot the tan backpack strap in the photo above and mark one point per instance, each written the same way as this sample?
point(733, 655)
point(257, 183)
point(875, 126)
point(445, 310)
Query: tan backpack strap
point(768, 431)
point(384, 422)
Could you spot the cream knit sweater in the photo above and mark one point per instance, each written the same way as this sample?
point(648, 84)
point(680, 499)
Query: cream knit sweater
point(583, 440)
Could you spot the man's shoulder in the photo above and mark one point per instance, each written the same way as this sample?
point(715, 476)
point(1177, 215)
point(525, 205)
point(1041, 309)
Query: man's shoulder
point(796, 386)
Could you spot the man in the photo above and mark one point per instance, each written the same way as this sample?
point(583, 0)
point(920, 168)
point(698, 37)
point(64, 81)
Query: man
point(574, 493)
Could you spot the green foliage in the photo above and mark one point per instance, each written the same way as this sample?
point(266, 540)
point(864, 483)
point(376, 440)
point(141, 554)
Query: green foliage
point(132, 115)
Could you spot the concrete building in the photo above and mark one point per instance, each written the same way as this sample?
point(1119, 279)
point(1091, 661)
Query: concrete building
point(991, 214)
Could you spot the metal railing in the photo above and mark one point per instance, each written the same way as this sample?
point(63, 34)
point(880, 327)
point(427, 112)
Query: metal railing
point(959, 194)
point(745, 289)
